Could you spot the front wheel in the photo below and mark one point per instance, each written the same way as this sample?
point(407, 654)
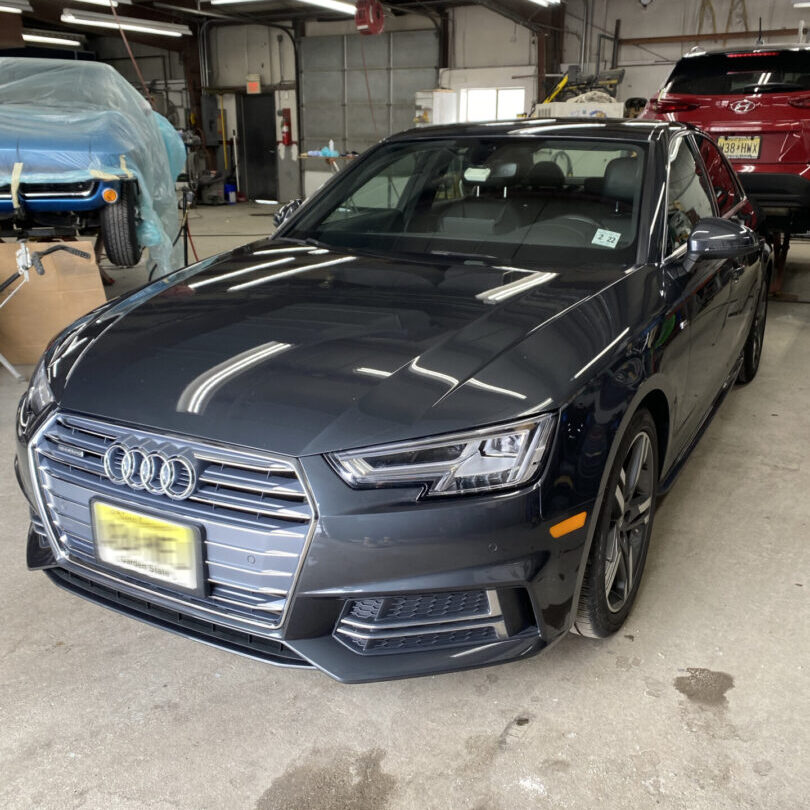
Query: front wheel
point(118, 229)
point(622, 535)
point(756, 336)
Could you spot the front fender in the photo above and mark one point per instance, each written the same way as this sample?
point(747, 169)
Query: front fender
point(591, 429)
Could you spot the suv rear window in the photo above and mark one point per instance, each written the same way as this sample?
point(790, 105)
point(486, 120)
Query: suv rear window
point(744, 73)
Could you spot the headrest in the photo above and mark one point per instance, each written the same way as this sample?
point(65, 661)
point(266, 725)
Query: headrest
point(622, 178)
point(546, 174)
point(496, 173)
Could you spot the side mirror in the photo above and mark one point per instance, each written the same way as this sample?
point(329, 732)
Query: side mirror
point(286, 211)
point(715, 238)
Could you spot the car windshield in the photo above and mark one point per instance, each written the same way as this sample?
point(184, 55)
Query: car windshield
point(745, 73)
point(528, 200)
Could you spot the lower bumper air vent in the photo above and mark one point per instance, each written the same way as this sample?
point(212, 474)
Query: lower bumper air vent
point(426, 621)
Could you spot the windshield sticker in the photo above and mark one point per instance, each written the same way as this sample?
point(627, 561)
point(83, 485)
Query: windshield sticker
point(606, 238)
point(476, 174)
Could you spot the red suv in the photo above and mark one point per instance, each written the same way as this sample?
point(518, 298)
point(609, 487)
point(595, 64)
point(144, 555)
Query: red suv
point(756, 103)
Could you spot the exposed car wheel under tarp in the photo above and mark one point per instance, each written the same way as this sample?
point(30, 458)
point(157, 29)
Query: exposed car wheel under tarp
point(64, 123)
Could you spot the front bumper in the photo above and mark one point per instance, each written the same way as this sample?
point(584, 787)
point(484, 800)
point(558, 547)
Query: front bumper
point(432, 560)
point(54, 209)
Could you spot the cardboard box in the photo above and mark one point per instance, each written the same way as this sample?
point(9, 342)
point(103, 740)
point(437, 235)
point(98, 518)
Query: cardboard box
point(42, 307)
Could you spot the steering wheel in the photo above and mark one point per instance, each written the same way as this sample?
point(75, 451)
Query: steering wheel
point(581, 218)
point(581, 227)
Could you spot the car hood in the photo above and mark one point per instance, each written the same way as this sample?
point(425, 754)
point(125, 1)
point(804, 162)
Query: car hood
point(86, 140)
point(303, 351)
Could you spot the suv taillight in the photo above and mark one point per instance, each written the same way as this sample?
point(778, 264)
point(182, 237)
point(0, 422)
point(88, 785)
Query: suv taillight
point(802, 101)
point(671, 105)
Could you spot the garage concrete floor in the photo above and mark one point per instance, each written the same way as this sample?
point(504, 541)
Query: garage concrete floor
point(702, 700)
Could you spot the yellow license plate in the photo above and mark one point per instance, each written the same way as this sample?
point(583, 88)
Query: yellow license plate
point(158, 549)
point(740, 147)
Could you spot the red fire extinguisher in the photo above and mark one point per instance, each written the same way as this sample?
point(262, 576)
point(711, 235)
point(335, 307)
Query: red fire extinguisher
point(286, 127)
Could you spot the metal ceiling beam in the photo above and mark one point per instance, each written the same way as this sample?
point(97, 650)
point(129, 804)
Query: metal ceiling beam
point(721, 35)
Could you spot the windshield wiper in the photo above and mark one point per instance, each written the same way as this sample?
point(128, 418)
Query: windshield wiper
point(452, 254)
point(308, 241)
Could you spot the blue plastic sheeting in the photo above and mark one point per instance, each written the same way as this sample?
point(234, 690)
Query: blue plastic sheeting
point(67, 121)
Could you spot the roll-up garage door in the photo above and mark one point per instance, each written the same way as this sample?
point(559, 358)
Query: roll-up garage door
point(334, 93)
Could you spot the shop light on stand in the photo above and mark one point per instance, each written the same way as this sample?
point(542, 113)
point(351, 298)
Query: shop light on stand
point(127, 23)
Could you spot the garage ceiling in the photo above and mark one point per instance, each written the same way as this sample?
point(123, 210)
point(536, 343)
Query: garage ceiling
point(522, 12)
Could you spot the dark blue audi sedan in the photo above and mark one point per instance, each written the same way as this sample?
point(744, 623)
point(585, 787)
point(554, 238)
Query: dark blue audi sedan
point(424, 426)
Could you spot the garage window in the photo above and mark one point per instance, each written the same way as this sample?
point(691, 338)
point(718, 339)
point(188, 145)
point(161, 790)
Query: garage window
point(491, 103)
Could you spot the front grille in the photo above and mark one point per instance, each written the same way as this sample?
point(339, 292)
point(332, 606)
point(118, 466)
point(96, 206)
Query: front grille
point(81, 188)
point(408, 623)
point(253, 511)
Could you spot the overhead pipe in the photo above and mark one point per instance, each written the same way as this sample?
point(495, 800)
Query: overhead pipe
point(583, 42)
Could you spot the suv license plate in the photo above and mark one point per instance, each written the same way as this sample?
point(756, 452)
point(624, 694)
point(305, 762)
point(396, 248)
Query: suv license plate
point(740, 147)
point(151, 547)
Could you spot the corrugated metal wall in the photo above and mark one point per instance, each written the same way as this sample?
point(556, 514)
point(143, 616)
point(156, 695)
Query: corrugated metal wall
point(333, 86)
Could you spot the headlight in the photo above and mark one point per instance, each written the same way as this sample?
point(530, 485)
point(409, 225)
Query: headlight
point(37, 398)
point(475, 461)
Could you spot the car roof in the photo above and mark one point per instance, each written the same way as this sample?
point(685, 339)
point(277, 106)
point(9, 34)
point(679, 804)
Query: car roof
point(631, 129)
point(771, 46)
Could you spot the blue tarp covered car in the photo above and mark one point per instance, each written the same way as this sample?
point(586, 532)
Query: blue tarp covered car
point(81, 151)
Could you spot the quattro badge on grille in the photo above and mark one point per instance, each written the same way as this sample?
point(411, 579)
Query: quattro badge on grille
point(156, 469)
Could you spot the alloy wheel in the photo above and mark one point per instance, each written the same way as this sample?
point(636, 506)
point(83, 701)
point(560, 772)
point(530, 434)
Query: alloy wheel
point(629, 526)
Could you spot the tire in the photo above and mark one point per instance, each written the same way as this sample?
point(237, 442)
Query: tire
point(752, 351)
point(622, 536)
point(118, 229)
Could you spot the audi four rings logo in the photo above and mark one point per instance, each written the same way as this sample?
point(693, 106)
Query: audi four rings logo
point(743, 106)
point(157, 470)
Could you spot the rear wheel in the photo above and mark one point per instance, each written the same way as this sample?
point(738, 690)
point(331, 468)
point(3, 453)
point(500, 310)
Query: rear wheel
point(756, 336)
point(619, 547)
point(118, 229)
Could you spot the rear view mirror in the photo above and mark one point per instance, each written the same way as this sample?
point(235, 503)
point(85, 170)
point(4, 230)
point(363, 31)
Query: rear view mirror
point(715, 238)
point(286, 211)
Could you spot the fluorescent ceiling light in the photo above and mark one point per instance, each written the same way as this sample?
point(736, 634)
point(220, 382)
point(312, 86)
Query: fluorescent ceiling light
point(200, 390)
point(241, 272)
point(127, 23)
point(41, 38)
point(285, 273)
point(332, 5)
point(105, 3)
point(15, 6)
point(373, 372)
point(545, 3)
